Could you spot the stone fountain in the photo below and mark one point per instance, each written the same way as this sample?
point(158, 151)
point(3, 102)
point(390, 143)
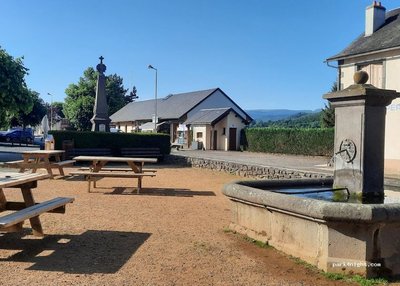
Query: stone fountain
point(354, 231)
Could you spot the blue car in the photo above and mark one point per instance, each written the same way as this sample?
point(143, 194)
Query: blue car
point(17, 136)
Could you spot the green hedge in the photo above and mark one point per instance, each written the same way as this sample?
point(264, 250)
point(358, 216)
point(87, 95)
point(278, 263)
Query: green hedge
point(114, 141)
point(313, 141)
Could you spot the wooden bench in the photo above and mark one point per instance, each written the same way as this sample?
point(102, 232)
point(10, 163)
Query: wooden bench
point(112, 169)
point(93, 175)
point(62, 164)
point(14, 221)
point(15, 164)
point(142, 153)
point(21, 164)
point(90, 152)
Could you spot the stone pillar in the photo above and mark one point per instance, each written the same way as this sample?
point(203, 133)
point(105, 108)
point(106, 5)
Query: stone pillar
point(100, 120)
point(360, 112)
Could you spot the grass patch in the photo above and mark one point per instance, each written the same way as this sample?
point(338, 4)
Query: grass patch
point(338, 276)
point(259, 243)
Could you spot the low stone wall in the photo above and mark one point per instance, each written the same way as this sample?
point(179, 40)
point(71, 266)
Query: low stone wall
point(244, 170)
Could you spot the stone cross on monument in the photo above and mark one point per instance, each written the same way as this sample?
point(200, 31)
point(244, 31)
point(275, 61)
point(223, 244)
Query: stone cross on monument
point(100, 120)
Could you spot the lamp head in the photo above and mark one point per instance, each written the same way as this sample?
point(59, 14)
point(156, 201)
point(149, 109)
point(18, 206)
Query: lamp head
point(151, 67)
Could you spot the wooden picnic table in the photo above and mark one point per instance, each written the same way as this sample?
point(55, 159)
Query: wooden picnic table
point(37, 159)
point(98, 170)
point(27, 209)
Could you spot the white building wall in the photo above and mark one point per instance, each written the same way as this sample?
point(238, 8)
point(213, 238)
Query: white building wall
point(204, 138)
point(222, 143)
point(230, 121)
point(346, 75)
point(234, 121)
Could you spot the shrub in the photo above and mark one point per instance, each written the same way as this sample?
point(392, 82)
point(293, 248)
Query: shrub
point(305, 141)
point(114, 141)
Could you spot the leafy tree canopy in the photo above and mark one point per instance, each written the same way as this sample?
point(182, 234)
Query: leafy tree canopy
point(34, 117)
point(14, 96)
point(328, 113)
point(300, 120)
point(78, 107)
point(79, 112)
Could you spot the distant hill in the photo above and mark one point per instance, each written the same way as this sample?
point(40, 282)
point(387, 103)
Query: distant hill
point(276, 114)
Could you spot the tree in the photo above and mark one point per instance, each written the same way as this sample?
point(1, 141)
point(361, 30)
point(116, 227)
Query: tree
point(55, 110)
point(35, 115)
point(78, 107)
point(79, 112)
point(14, 96)
point(132, 95)
point(328, 113)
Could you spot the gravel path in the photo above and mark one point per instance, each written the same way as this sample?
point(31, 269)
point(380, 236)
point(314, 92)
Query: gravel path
point(173, 233)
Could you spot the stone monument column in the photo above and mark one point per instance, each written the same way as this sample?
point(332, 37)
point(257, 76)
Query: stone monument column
point(360, 112)
point(100, 120)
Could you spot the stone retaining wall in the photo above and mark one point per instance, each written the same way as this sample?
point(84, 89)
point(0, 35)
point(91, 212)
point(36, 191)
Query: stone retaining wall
point(244, 170)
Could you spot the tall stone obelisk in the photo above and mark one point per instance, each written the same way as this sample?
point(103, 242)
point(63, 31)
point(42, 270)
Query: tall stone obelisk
point(100, 120)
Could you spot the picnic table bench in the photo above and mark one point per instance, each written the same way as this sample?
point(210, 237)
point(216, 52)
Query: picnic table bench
point(91, 176)
point(14, 221)
point(41, 159)
point(97, 169)
point(27, 209)
point(118, 169)
point(142, 153)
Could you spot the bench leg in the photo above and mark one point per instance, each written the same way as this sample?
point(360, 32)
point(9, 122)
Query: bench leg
point(139, 184)
point(61, 169)
point(89, 179)
point(35, 221)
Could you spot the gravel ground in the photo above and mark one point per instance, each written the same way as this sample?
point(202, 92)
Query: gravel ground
point(173, 233)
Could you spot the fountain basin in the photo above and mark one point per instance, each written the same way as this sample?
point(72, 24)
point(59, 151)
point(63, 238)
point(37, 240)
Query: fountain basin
point(337, 237)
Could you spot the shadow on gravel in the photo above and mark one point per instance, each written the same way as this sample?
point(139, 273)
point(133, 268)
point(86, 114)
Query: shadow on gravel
point(159, 192)
point(91, 252)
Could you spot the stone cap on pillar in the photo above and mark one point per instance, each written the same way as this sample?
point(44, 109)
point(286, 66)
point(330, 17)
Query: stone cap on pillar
point(361, 93)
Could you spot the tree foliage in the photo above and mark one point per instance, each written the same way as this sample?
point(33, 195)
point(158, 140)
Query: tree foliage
point(328, 113)
point(35, 115)
point(79, 102)
point(132, 95)
point(300, 120)
point(14, 96)
point(79, 111)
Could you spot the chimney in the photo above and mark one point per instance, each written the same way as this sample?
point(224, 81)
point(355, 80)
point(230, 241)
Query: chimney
point(374, 18)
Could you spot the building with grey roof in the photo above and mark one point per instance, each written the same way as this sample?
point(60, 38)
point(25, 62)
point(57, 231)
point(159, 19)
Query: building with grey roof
point(174, 110)
point(377, 51)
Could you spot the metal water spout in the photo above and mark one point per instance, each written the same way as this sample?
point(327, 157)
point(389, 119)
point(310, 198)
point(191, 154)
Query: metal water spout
point(360, 112)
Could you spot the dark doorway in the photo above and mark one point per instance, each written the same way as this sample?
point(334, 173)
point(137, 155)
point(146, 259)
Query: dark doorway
point(232, 139)
point(215, 140)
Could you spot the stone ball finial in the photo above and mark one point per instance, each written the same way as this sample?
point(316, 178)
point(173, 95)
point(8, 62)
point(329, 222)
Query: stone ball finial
point(360, 77)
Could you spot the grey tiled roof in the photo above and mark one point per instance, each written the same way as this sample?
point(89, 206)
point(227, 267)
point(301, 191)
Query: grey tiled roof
point(386, 37)
point(171, 107)
point(208, 116)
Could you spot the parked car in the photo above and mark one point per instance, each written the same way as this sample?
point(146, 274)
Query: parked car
point(17, 136)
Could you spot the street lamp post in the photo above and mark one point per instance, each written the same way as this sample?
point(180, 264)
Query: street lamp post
point(155, 104)
point(51, 111)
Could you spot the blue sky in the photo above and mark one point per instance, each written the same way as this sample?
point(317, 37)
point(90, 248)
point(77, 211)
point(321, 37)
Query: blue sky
point(263, 54)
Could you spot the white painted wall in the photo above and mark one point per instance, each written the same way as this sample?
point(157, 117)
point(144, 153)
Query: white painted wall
point(230, 121)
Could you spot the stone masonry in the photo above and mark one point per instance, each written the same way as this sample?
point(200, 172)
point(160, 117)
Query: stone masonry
point(244, 170)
